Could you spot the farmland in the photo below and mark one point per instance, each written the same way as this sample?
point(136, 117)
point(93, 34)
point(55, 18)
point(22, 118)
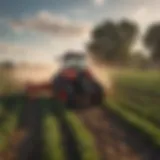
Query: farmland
point(137, 99)
point(116, 130)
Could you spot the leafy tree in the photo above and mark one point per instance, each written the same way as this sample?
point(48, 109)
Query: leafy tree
point(139, 60)
point(112, 42)
point(152, 41)
point(7, 64)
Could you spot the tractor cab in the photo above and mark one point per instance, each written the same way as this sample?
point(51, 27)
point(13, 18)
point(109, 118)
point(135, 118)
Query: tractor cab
point(74, 60)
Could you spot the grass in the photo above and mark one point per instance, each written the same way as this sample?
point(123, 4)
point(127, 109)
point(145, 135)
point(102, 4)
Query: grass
point(55, 112)
point(137, 121)
point(52, 139)
point(136, 99)
point(142, 107)
point(1, 112)
point(7, 128)
point(7, 86)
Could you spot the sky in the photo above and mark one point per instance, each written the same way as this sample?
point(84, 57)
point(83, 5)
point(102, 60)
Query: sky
point(41, 30)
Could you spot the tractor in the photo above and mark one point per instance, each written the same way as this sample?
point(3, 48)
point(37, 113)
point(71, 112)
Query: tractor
point(74, 83)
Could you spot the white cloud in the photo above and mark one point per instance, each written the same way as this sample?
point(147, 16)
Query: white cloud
point(47, 22)
point(99, 2)
point(141, 13)
point(7, 48)
point(23, 50)
point(145, 15)
point(52, 48)
point(63, 34)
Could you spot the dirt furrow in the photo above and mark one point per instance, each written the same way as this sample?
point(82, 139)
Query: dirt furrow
point(10, 153)
point(32, 146)
point(115, 139)
point(69, 141)
point(26, 142)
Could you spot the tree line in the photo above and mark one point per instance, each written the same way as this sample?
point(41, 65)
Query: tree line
point(113, 43)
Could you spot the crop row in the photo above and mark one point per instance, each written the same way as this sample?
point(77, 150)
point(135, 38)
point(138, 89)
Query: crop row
point(136, 99)
point(147, 110)
point(7, 126)
point(136, 120)
point(52, 132)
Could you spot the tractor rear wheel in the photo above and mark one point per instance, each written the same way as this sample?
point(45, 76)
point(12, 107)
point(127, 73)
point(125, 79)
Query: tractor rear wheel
point(97, 98)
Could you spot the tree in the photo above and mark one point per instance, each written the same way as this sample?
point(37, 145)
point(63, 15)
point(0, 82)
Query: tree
point(112, 42)
point(152, 41)
point(7, 64)
point(139, 60)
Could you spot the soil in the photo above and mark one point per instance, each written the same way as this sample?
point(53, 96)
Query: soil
point(116, 140)
point(69, 142)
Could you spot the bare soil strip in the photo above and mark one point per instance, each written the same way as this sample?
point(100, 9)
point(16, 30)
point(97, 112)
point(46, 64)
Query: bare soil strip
point(26, 141)
point(32, 146)
point(115, 139)
point(14, 142)
point(69, 142)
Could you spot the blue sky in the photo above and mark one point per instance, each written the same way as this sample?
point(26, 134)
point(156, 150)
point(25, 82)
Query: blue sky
point(38, 30)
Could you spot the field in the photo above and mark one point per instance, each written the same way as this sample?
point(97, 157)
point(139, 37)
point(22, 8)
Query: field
point(137, 99)
point(125, 127)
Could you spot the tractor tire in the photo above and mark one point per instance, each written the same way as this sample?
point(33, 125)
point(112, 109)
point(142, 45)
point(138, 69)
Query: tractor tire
point(97, 100)
point(98, 96)
point(71, 103)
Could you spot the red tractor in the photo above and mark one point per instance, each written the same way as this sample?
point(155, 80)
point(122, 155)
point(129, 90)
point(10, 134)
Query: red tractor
point(74, 84)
